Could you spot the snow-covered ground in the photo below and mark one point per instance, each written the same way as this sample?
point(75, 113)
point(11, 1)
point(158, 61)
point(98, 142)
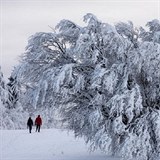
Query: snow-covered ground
point(49, 144)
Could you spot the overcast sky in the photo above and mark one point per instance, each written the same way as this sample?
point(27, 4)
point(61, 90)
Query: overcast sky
point(22, 18)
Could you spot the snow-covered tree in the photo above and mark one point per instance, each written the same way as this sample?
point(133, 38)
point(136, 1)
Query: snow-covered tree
point(102, 80)
point(2, 97)
point(2, 88)
point(153, 35)
point(10, 117)
point(12, 92)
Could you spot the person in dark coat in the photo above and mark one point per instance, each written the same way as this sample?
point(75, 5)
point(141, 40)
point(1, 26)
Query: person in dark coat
point(30, 124)
point(38, 123)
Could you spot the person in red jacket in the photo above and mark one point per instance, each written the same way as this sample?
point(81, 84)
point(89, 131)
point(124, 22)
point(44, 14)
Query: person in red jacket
point(38, 123)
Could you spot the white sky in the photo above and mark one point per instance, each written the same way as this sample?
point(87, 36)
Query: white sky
point(22, 18)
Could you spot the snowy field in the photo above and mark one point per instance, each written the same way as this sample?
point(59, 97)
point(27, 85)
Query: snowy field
point(49, 144)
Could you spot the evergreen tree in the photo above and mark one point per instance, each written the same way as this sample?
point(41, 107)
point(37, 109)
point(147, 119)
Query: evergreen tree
point(13, 91)
point(2, 88)
point(12, 97)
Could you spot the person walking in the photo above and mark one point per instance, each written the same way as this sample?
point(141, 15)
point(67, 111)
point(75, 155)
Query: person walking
point(38, 123)
point(30, 124)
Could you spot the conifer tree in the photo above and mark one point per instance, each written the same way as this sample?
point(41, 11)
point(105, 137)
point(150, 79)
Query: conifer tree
point(2, 88)
point(12, 87)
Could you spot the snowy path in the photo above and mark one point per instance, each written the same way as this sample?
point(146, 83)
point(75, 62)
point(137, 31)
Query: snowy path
point(50, 144)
